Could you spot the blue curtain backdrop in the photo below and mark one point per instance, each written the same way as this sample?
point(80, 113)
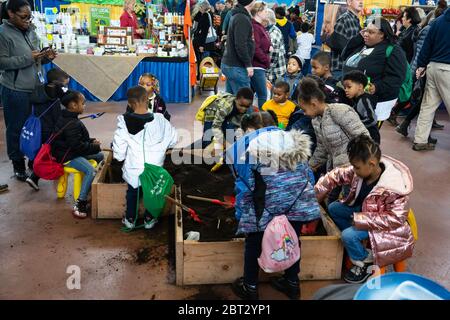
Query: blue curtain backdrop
point(173, 80)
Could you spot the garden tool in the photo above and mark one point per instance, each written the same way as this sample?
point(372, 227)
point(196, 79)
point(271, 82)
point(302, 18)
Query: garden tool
point(93, 116)
point(192, 212)
point(215, 201)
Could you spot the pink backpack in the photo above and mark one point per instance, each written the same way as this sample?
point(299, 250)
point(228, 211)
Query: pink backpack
point(280, 246)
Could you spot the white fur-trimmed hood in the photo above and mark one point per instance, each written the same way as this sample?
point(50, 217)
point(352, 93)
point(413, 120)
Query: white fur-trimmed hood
point(281, 149)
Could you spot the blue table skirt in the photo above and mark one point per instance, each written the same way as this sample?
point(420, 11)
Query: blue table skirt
point(173, 80)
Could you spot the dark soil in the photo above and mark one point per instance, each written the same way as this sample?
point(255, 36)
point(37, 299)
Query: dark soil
point(197, 180)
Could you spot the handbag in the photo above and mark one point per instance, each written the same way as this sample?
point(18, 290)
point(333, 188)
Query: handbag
point(45, 165)
point(212, 34)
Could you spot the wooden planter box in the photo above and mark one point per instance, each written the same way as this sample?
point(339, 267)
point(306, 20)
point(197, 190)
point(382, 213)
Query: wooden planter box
point(223, 262)
point(108, 199)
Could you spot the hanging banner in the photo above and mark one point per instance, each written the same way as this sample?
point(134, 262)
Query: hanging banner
point(100, 16)
point(105, 2)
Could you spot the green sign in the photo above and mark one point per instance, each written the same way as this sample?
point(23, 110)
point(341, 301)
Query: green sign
point(99, 17)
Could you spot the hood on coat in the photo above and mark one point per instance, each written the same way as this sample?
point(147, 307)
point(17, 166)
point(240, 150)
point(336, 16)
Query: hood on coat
point(281, 149)
point(239, 9)
point(395, 178)
point(282, 22)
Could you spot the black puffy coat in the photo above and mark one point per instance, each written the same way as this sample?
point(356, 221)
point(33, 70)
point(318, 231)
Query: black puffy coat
point(73, 139)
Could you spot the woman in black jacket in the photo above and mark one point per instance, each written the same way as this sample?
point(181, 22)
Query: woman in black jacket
point(73, 145)
point(410, 21)
point(369, 52)
point(204, 22)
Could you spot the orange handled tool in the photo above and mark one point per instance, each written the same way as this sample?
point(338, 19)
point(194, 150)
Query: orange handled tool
point(215, 201)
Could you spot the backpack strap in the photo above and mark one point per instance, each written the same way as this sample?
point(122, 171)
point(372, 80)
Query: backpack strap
point(389, 50)
point(54, 103)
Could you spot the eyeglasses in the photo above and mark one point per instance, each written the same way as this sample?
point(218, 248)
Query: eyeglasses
point(25, 18)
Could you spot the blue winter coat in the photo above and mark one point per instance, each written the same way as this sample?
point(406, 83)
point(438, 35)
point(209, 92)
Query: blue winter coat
point(280, 158)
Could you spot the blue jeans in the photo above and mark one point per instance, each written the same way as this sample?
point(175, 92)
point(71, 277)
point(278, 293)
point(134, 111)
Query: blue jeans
point(82, 164)
point(16, 109)
point(237, 78)
point(132, 194)
point(258, 82)
point(252, 252)
point(351, 237)
point(306, 66)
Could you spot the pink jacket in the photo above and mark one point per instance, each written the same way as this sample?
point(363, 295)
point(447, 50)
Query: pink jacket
point(384, 211)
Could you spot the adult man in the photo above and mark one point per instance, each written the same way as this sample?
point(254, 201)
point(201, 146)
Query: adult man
point(240, 47)
point(435, 57)
point(347, 26)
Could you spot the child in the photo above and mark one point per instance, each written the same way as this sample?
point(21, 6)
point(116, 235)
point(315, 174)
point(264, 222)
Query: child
point(225, 113)
point(293, 76)
point(156, 103)
point(138, 131)
point(280, 104)
point(74, 145)
point(305, 41)
point(363, 103)
point(45, 100)
point(334, 125)
point(321, 64)
point(278, 183)
point(375, 209)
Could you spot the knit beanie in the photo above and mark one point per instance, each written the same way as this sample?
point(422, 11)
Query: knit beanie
point(299, 60)
point(245, 2)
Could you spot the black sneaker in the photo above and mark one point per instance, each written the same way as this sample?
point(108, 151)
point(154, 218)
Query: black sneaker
point(3, 188)
point(80, 209)
point(432, 140)
point(289, 288)
point(403, 128)
point(437, 125)
point(244, 291)
point(33, 181)
point(393, 119)
point(19, 170)
point(357, 274)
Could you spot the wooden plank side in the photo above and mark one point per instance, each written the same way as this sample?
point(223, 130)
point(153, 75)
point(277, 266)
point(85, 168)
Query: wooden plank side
point(179, 241)
point(213, 262)
point(111, 202)
point(99, 178)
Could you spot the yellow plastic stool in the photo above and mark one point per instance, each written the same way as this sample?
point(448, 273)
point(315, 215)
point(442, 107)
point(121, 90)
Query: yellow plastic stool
point(412, 224)
point(61, 188)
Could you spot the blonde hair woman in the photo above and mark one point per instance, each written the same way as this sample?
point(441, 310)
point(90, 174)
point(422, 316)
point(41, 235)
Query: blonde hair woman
point(129, 19)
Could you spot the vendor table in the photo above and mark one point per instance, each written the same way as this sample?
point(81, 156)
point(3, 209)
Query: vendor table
point(107, 78)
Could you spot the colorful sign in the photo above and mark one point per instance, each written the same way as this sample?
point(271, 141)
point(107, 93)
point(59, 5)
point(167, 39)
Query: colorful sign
point(99, 17)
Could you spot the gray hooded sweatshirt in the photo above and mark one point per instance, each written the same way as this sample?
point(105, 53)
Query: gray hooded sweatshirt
point(19, 71)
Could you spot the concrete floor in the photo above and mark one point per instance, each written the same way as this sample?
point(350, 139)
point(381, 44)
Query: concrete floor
point(39, 239)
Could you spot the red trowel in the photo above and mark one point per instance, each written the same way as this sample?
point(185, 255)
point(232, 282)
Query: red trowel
point(192, 212)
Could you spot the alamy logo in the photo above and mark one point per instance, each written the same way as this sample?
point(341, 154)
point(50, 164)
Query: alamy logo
point(74, 280)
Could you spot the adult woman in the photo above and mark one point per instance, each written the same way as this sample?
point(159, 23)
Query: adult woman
point(129, 19)
point(20, 62)
point(410, 22)
point(369, 52)
point(261, 57)
point(278, 55)
point(204, 22)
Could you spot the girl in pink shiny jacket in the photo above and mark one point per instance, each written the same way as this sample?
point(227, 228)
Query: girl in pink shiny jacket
point(376, 207)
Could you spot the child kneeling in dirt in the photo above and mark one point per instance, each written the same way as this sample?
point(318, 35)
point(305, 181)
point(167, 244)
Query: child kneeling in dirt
point(375, 209)
point(138, 131)
point(276, 182)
